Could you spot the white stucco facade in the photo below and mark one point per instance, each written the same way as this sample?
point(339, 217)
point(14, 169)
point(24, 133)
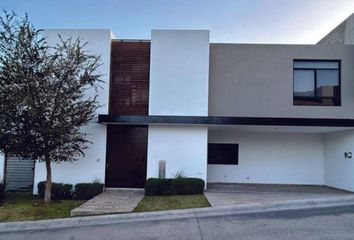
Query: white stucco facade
point(2, 167)
point(338, 169)
point(91, 167)
point(301, 157)
point(271, 157)
point(179, 70)
point(182, 147)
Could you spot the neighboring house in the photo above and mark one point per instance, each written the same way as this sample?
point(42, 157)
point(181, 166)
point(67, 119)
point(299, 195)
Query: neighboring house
point(244, 113)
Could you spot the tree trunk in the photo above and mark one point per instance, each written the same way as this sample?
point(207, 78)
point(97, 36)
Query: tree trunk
point(48, 185)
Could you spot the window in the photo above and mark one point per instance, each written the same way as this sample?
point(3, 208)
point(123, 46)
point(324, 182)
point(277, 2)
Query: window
point(317, 83)
point(219, 153)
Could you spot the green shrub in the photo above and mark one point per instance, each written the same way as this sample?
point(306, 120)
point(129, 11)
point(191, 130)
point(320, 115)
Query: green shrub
point(182, 186)
point(59, 190)
point(84, 191)
point(157, 186)
point(173, 186)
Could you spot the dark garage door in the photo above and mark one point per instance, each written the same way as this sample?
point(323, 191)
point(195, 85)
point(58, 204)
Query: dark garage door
point(126, 156)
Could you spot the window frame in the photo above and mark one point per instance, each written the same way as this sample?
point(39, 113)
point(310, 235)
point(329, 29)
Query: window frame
point(316, 98)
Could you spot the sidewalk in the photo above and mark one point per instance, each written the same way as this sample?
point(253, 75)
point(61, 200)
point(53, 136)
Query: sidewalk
point(111, 201)
point(177, 214)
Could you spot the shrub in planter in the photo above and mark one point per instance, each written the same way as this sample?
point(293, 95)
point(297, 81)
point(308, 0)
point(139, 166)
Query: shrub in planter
point(59, 190)
point(84, 191)
point(181, 186)
point(175, 186)
point(157, 186)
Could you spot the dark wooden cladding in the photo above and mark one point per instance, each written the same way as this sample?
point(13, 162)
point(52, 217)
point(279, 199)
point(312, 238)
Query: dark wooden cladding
point(129, 84)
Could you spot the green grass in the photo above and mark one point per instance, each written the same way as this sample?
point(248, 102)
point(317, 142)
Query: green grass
point(23, 206)
point(159, 203)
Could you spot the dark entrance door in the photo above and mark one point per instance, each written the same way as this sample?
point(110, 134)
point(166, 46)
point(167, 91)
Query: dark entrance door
point(126, 156)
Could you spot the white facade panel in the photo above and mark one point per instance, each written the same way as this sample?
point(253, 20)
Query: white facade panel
point(274, 158)
point(92, 166)
point(2, 167)
point(184, 148)
point(339, 171)
point(179, 72)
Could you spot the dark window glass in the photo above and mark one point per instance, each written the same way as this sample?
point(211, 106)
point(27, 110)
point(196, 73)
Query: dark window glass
point(317, 83)
point(304, 86)
point(327, 82)
point(219, 153)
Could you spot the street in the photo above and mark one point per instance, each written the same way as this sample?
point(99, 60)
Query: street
point(320, 223)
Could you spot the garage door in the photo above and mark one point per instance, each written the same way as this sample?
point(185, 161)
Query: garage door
point(19, 174)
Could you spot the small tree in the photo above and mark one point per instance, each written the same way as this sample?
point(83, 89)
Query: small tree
point(43, 94)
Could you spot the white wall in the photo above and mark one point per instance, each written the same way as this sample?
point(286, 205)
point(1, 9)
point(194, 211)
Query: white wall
point(339, 171)
point(2, 167)
point(92, 165)
point(179, 80)
point(184, 148)
point(279, 158)
point(179, 71)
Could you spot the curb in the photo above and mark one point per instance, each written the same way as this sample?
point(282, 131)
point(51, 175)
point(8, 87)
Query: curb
point(176, 214)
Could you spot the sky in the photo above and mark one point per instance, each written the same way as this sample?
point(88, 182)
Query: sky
point(235, 21)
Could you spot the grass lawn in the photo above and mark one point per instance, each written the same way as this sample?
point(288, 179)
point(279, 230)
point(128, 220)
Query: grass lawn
point(24, 206)
point(159, 203)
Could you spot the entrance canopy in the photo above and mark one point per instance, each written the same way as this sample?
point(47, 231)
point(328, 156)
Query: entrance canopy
point(215, 120)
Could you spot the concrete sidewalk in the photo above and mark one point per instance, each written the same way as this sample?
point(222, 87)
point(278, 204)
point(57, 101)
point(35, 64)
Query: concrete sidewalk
point(111, 201)
point(176, 214)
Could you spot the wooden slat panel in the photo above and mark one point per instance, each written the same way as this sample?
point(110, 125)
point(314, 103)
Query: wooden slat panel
point(129, 83)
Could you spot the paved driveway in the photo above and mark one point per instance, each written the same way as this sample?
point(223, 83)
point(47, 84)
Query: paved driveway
point(226, 194)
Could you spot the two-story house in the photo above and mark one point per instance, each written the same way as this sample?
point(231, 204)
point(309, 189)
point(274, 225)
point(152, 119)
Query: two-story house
point(243, 113)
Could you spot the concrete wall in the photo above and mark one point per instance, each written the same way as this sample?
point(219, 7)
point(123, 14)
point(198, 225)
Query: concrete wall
point(2, 167)
point(253, 80)
point(184, 148)
point(179, 82)
point(279, 158)
point(92, 166)
point(342, 34)
point(339, 171)
point(179, 71)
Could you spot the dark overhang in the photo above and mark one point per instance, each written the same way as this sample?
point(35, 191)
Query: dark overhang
point(214, 120)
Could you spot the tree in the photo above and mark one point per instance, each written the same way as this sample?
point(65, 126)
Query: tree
point(43, 94)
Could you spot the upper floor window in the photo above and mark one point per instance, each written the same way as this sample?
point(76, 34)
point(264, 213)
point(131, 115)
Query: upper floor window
point(317, 82)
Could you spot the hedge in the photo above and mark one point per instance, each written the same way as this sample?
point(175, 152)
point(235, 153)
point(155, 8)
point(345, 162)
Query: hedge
point(59, 190)
point(84, 191)
point(173, 186)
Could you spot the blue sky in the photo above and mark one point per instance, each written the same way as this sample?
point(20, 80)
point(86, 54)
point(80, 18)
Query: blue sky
point(239, 21)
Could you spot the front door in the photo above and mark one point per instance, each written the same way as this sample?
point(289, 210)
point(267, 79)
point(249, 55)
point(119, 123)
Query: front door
point(126, 156)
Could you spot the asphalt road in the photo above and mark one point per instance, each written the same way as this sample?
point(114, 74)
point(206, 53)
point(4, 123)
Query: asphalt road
point(321, 223)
